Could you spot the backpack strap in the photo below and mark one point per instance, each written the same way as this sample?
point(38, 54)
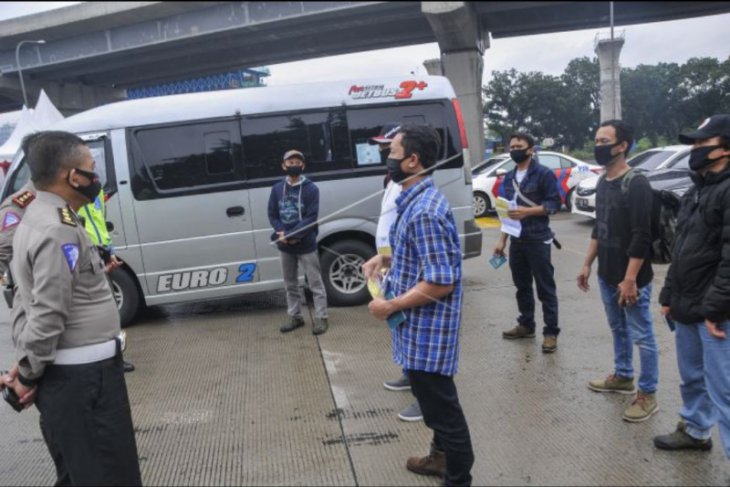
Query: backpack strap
point(626, 181)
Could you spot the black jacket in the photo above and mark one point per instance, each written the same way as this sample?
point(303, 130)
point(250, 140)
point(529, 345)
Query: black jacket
point(698, 281)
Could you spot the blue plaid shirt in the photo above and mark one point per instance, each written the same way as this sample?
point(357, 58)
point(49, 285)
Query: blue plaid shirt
point(425, 244)
point(541, 187)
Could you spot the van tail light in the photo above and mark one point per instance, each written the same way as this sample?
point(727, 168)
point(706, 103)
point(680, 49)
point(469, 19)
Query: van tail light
point(460, 122)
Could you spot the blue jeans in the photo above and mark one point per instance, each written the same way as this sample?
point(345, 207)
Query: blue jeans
point(704, 366)
point(632, 325)
point(530, 261)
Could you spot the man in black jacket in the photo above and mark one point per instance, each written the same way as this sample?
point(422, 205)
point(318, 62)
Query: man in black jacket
point(696, 293)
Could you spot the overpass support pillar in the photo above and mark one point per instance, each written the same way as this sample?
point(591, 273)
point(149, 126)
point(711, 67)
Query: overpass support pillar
point(608, 51)
point(69, 98)
point(72, 98)
point(462, 44)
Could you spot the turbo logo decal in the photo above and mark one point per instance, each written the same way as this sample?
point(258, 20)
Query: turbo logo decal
point(403, 92)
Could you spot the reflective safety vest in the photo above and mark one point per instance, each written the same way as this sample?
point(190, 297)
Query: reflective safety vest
point(95, 221)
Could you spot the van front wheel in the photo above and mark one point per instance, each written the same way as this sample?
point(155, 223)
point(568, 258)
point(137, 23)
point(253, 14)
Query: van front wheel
point(126, 295)
point(342, 272)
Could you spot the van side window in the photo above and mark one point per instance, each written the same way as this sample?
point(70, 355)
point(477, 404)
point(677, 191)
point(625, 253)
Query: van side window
point(322, 137)
point(184, 157)
point(366, 122)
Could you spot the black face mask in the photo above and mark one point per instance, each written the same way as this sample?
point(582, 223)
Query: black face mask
point(91, 191)
point(294, 170)
point(519, 155)
point(396, 174)
point(698, 157)
point(603, 154)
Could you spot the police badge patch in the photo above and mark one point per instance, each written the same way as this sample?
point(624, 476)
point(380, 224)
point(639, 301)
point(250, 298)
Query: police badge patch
point(71, 252)
point(10, 220)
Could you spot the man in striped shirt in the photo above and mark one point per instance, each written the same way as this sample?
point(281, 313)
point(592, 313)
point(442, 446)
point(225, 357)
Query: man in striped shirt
point(425, 284)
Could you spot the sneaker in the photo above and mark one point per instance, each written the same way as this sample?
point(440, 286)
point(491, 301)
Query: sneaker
point(613, 383)
point(411, 413)
point(320, 326)
point(432, 464)
point(642, 407)
point(549, 344)
point(294, 323)
point(402, 384)
point(681, 440)
point(518, 331)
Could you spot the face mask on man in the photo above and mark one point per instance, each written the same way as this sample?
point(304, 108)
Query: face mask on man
point(396, 174)
point(90, 191)
point(519, 155)
point(294, 170)
point(698, 157)
point(603, 154)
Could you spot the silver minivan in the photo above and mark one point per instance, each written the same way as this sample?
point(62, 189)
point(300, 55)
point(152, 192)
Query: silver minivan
point(188, 179)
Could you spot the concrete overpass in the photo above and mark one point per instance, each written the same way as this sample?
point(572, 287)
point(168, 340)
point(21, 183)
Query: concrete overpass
point(95, 50)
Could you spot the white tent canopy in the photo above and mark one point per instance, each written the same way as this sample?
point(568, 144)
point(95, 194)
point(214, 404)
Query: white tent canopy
point(44, 115)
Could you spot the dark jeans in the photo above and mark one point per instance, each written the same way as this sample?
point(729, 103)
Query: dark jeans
point(442, 413)
point(87, 424)
point(529, 260)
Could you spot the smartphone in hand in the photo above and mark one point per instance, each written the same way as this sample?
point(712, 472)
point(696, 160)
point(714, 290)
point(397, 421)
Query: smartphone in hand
point(497, 261)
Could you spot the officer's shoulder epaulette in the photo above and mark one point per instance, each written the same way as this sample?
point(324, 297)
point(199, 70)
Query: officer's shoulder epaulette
point(24, 199)
point(66, 216)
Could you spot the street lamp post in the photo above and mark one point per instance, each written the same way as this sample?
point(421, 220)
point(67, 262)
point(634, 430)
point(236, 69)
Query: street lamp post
point(20, 71)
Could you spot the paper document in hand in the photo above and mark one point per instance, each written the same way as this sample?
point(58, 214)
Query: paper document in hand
point(509, 226)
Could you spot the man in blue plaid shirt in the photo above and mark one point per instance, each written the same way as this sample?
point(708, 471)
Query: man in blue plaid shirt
point(425, 280)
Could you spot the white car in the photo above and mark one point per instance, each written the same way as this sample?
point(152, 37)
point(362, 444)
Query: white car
point(487, 186)
point(671, 156)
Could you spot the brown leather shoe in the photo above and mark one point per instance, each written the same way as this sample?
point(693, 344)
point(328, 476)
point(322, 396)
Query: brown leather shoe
point(518, 331)
point(549, 344)
point(432, 464)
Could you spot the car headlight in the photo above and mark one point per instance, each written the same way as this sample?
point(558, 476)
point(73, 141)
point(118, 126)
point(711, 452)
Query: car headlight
point(585, 191)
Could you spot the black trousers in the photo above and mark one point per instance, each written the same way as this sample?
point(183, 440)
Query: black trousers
point(528, 260)
point(442, 413)
point(86, 423)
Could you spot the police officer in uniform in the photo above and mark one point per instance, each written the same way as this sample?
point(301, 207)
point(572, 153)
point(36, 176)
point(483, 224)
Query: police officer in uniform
point(93, 217)
point(11, 213)
point(65, 324)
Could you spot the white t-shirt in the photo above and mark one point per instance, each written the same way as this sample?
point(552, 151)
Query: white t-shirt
point(388, 215)
point(520, 176)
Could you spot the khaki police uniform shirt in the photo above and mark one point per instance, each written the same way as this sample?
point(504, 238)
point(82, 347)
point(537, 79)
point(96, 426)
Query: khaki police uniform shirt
point(63, 299)
point(11, 213)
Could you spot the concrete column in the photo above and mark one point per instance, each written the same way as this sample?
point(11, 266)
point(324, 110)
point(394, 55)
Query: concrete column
point(434, 67)
point(608, 52)
point(462, 43)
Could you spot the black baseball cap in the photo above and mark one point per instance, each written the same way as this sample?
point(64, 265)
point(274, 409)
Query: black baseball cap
point(387, 133)
point(716, 125)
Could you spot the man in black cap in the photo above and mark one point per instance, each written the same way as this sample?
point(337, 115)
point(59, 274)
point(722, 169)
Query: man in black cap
point(696, 293)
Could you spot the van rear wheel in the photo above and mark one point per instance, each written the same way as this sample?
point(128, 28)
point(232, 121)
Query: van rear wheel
point(342, 272)
point(126, 295)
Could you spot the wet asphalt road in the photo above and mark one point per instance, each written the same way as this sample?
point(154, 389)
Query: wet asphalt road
point(221, 397)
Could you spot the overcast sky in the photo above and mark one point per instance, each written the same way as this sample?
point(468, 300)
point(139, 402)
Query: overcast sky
point(674, 41)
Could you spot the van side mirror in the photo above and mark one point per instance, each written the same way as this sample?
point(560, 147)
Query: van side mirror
point(501, 172)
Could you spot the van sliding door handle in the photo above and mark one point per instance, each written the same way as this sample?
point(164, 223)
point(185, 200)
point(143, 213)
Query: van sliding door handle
point(235, 211)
